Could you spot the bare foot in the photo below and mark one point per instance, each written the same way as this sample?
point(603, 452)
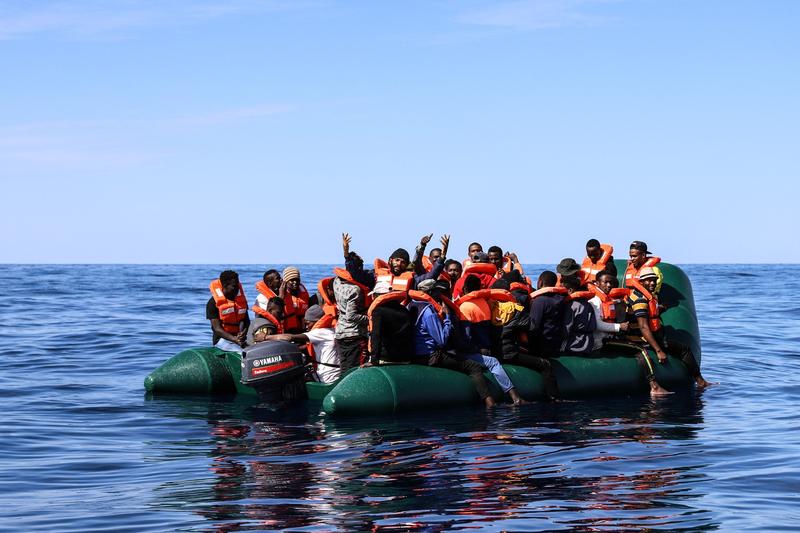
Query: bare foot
point(489, 401)
point(702, 383)
point(516, 398)
point(658, 390)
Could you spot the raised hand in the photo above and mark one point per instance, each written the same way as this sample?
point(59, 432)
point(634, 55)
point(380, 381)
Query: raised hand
point(445, 240)
point(346, 243)
point(426, 239)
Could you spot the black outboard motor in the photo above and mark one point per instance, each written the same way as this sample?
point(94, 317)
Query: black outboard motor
point(276, 369)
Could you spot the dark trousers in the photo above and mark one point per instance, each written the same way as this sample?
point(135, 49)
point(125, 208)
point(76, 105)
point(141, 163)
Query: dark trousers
point(681, 351)
point(350, 352)
point(541, 365)
point(465, 366)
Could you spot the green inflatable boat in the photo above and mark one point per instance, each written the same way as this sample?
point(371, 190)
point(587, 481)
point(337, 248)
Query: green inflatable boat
point(390, 389)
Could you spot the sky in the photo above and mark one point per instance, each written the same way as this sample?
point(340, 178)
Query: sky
point(247, 131)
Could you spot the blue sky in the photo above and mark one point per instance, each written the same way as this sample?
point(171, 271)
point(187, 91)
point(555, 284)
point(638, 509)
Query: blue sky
point(248, 131)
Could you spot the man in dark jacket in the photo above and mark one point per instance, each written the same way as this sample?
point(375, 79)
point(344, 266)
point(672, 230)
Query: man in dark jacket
point(579, 321)
point(513, 341)
point(547, 311)
point(391, 336)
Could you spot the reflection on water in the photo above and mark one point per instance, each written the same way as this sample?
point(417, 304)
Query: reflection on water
point(626, 464)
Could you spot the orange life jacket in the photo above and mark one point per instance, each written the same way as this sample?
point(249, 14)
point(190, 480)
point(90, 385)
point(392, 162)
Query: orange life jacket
point(269, 316)
point(654, 321)
point(520, 286)
point(295, 308)
point(609, 302)
point(343, 274)
point(403, 282)
point(427, 264)
point(328, 305)
point(327, 321)
point(548, 290)
point(479, 268)
point(591, 269)
point(262, 288)
point(231, 313)
point(580, 295)
point(631, 272)
point(394, 296)
point(438, 307)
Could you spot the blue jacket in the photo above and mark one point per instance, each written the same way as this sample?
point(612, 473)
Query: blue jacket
point(431, 333)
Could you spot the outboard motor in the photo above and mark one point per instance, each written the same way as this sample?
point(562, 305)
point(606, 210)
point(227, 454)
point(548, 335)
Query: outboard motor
point(276, 369)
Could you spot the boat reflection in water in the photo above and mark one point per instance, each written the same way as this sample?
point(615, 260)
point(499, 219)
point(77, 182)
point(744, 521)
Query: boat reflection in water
point(628, 463)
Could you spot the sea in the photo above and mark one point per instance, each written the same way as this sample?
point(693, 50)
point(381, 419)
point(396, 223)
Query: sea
point(83, 448)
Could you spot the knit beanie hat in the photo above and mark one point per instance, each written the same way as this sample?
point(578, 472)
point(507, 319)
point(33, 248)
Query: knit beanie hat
point(400, 253)
point(290, 273)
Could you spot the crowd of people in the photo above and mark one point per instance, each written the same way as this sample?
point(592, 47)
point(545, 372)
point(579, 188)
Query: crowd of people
point(469, 316)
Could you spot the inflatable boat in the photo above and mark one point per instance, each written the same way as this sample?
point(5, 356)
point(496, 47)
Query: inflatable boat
point(399, 388)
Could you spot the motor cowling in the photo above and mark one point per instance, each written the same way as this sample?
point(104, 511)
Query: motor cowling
point(276, 369)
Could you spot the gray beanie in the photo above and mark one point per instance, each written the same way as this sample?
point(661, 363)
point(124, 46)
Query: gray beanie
point(314, 313)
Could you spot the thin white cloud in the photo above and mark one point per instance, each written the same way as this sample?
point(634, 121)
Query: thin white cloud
point(107, 18)
point(109, 143)
point(536, 14)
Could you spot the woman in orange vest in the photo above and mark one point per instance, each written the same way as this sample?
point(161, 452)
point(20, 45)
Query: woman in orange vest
point(227, 311)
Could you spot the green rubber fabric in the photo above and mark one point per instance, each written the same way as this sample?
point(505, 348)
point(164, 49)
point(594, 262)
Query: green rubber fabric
point(401, 388)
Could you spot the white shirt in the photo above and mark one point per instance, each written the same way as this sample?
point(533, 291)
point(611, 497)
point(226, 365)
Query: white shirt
point(327, 352)
point(602, 328)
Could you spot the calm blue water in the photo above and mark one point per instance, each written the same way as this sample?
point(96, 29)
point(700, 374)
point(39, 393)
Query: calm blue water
point(84, 450)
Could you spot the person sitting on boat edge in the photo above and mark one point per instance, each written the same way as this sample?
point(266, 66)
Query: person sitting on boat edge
point(547, 309)
point(391, 328)
point(433, 329)
point(320, 335)
point(599, 257)
point(477, 322)
point(514, 320)
point(227, 312)
point(639, 258)
point(269, 321)
point(295, 297)
point(646, 328)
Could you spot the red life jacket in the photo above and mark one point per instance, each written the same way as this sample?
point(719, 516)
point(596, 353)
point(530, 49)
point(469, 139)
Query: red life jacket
point(231, 313)
point(427, 264)
point(394, 296)
point(609, 302)
point(654, 321)
point(632, 273)
point(269, 316)
point(268, 293)
point(403, 282)
point(328, 305)
point(344, 275)
point(591, 269)
point(479, 268)
point(548, 290)
point(295, 307)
